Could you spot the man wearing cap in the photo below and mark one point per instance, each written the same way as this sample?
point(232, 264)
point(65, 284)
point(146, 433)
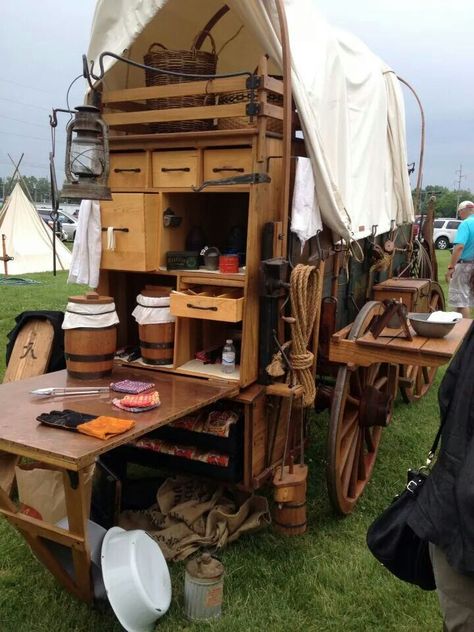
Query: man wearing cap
point(461, 266)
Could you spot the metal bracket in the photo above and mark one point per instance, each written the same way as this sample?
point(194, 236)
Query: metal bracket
point(253, 82)
point(252, 109)
point(73, 478)
point(248, 178)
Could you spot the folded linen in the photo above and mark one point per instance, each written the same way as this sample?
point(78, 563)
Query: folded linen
point(444, 317)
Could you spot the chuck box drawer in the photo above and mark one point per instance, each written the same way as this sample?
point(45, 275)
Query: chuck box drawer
point(209, 303)
point(175, 169)
point(225, 163)
point(128, 171)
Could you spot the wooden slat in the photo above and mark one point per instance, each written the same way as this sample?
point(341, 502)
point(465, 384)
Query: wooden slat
point(43, 529)
point(349, 351)
point(275, 111)
point(176, 114)
point(230, 84)
point(272, 84)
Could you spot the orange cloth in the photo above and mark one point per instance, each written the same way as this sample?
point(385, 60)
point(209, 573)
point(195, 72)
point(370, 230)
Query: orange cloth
point(104, 427)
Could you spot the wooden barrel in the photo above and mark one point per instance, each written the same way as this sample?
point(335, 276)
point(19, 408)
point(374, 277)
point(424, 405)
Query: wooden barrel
point(90, 351)
point(289, 518)
point(157, 339)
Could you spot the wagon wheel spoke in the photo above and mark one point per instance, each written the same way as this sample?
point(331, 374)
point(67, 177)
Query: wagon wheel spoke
point(368, 440)
point(363, 396)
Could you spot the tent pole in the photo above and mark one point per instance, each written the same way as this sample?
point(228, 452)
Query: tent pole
point(287, 128)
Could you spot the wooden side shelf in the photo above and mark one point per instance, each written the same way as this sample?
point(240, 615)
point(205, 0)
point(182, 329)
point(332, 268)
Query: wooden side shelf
point(420, 351)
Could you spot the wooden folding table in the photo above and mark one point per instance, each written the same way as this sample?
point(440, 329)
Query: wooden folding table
point(73, 453)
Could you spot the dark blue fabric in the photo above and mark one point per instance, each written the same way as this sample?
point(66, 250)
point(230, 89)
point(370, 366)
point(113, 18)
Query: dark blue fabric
point(444, 513)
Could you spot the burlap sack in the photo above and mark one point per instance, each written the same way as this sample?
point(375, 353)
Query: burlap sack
point(197, 515)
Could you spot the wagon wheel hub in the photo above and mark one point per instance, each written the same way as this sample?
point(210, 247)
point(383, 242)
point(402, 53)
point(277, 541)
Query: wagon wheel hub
point(375, 408)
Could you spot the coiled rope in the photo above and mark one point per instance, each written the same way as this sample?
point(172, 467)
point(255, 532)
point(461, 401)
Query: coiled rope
point(304, 290)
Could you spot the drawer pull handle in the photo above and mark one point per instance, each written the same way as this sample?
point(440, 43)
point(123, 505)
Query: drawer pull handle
point(130, 170)
point(167, 169)
point(209, 309)
point(219, 169)
point(121, 230)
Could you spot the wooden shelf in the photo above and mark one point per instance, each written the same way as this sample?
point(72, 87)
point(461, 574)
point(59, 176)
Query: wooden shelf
point(198, 368)
point(420, 351)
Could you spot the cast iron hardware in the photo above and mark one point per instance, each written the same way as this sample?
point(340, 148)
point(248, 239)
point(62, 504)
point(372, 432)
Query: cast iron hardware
point(252, 109)
point(122, 230)
point(73, 479)
point(170, 220)
point(130, 170)
point(247, 178)
point(253, 82)
point(209, 309)
point(166, 169)
point(219, 169)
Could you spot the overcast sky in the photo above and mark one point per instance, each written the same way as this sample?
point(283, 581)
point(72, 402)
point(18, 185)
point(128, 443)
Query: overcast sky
point(430, 43)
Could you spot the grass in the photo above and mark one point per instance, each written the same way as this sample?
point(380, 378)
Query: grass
point(324, 581)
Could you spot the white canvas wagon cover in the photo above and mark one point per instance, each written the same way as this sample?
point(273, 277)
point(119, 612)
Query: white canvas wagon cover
point(349, 102)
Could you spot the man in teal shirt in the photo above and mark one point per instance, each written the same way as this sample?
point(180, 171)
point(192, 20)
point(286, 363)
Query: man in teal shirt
point(461, 266)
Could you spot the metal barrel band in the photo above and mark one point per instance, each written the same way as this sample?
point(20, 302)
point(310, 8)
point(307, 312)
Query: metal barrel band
point(76, 357)
point(290, 526)
point(291, 505)
point(157, 362)
point(89, 376)
point(156, 345)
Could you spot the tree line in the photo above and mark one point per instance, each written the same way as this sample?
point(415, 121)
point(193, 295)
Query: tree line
point(39, 189)
point(447, 200)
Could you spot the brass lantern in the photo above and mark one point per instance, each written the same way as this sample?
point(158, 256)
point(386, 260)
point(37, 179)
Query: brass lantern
point(87, 156)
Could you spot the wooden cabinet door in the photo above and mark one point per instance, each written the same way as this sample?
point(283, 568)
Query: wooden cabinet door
point(134, 218)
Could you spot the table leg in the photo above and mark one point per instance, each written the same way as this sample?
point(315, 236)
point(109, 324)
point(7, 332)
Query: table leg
point(35, 532)
point(7, 470)
point(78, 489)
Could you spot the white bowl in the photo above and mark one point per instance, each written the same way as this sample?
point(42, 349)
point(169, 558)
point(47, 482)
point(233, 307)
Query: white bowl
point(136, 578)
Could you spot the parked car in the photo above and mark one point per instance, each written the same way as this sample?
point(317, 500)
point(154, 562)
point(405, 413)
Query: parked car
point(68, 224)
point(444, 230)
point(45, 215)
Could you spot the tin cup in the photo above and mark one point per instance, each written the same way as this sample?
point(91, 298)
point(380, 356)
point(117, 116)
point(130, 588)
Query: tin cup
point(229, 264)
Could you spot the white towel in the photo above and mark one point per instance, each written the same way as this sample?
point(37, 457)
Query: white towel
point(87, 249)
point(444, 317)
point(110, 238)
point(305, 214)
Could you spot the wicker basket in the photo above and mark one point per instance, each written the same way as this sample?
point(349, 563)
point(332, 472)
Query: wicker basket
point(239, 122)
point(194, 62)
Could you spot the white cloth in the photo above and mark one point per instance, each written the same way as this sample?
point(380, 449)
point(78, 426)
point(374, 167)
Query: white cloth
point(87, 249)
point(152, 310)
point(305, 213)
point(444, 317)
point(96, 315)
point(351, 111)
point(110, 238)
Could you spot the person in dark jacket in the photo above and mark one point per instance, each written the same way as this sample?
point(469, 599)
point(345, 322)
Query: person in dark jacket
point(444, 513)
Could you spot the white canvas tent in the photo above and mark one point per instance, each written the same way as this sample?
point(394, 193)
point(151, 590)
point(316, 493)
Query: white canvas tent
point(349, 101)
point(28, 238)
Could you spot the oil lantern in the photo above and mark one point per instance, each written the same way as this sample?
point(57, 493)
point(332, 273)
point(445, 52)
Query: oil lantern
point(87, 156)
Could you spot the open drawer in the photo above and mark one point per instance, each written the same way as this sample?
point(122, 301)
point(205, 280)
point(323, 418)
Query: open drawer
point(209, 303)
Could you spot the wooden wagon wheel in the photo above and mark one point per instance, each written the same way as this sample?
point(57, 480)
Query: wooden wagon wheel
point(415, 380)
point(362, 405)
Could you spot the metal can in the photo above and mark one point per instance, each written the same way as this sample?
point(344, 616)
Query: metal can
point(203, 588)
